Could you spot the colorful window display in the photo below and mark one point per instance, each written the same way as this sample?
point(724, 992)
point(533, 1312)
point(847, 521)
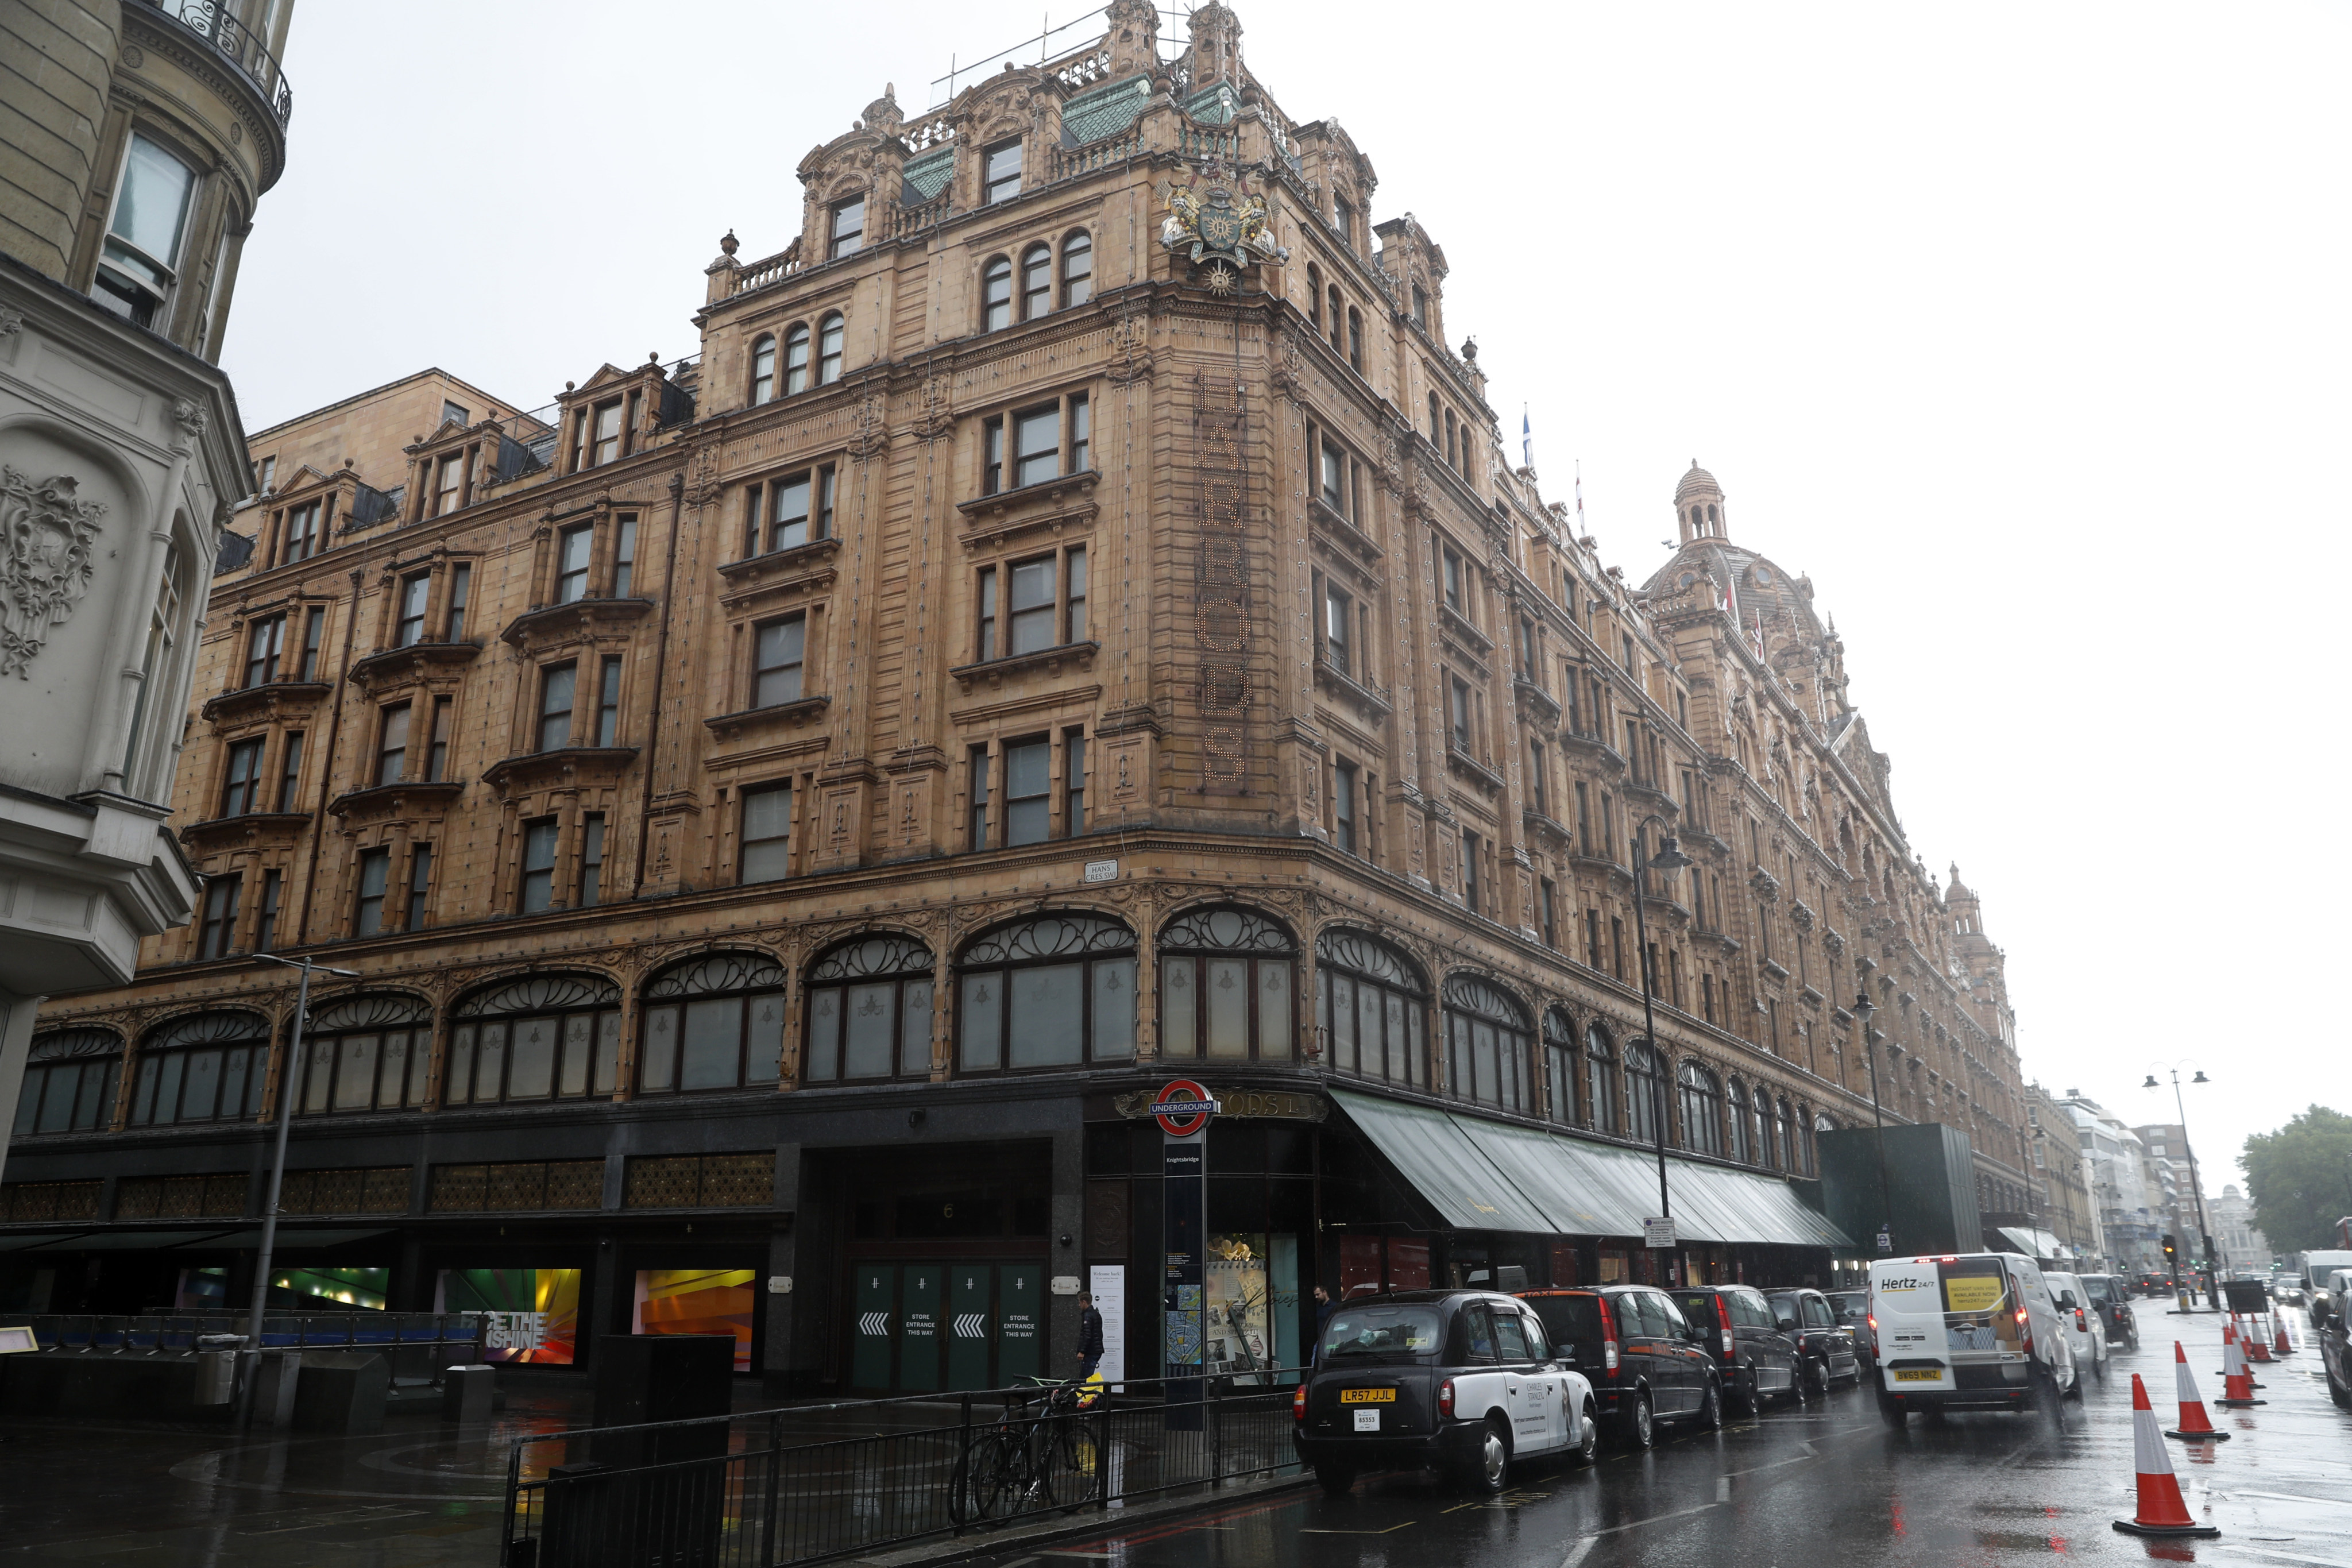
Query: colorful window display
point(1253, 1300)
point(311, 1289)
point(696, 1301)
point(533, 1314)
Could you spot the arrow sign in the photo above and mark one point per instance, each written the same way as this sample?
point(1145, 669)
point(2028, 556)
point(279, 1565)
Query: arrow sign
point(873, 1325)
point(971, 1325)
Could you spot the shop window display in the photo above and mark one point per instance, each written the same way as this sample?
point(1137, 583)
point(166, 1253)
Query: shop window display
point(533, 1314)
point(696, 1301)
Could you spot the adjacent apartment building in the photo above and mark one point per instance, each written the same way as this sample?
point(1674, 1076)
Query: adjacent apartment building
point(140, 135)
point(1073, 626)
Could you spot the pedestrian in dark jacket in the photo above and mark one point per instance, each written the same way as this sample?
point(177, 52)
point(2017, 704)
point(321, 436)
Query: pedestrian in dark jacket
point(1090, 1340)
point(1323, 1308)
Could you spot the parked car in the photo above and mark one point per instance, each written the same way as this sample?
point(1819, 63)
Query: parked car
point(2086, 1336)
point(1466, 1381)
point(1973, 1330)
point(2110, 1296)
point(1853, 1309)
point(2152, 1284)
point(1755, 1360)
point(1645, 1361)
point(1825, 1345)
point(2330, 1327)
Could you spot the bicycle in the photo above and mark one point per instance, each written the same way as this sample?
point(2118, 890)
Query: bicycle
point(1026, 1463)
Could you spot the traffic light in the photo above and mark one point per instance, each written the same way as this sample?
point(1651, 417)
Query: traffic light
point(2170, 1251)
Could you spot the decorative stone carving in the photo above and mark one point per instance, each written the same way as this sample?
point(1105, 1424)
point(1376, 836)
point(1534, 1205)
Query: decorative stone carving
point(1216, 233)
point(46, 531)
point(1764, 885)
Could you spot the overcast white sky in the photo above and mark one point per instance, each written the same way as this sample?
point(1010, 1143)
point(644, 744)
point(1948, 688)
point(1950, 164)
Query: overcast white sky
point(2022, 328)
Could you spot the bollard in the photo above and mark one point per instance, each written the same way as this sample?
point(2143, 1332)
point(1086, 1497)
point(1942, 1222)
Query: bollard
point(468, 1393)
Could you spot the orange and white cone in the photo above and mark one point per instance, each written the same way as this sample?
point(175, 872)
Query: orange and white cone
point(2256, 1349)
point(2161, 1509)
point(2195, 1426)
point(2237, 1383)
point(2284, 1346)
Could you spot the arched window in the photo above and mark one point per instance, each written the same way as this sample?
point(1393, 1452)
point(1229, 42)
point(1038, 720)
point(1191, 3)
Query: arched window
point(1742, 1148)
point(763, 368)
point(869, 1011)
point(1784, 1146)
point(1487, 1043)
point(207, 1066)
point(1036, 283)
point(1560, 1066)
point(1355, 341)
point(1764, 1128)
point(69, 1082)
point(828, 349)
point(1314, 295)
point(1452, 461)
point(711, 1022)
point(542, 1036)
point(796, 358)
point(1368, 1007)
point(1702, 1097)
point(1331, 298)
point(1645, 1092)
point(1602, 1098)
point(996, 294)
point(1078, 268)
point(1226, 987)
point(1055, 992)
point(1436, 431)
point(365, 1053)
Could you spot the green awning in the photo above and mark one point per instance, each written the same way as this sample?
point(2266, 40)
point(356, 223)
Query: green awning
point(1445, 1168)
point(1480, 1174)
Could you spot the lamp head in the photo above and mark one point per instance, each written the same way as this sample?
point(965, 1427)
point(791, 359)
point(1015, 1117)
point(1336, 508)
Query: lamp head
point(2200, 1078)
point(1669, 856)
point(2150, 1083)
point(1864, 1008)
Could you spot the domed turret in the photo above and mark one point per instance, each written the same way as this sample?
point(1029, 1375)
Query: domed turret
point(1698, 505)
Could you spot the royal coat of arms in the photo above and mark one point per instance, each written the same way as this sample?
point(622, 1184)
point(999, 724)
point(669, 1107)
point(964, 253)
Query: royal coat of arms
point(46, 531)
point(1212, 225)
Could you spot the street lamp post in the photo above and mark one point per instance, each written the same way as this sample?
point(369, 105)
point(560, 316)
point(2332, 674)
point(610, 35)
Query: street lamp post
point(2196, 1192)
point(1863, 1009)
point(277, 1160)
point(1669, 857)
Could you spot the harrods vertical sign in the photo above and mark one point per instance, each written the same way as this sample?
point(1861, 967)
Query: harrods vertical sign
point(1220, 605)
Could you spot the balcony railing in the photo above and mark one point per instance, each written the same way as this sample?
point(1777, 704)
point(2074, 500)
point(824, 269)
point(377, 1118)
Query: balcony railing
point(214, 22)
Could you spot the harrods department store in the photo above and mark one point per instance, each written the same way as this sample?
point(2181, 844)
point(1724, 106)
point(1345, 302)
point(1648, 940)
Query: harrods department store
point(1072, 624)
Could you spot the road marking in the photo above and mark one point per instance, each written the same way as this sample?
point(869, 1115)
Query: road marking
point(2279, 1556)
point(2290, 1497)
point(1392, 1530)
point(1723, 1489)
point(1577, 1553)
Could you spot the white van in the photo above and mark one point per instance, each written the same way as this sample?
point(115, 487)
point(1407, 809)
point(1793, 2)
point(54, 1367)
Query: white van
point(1973, 1330)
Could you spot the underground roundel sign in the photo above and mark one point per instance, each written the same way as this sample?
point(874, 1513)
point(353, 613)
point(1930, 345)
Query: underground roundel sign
point(1182, 1108)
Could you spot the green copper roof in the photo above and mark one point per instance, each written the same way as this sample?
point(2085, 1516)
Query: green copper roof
point(927, 173)
point(1105, 112)
point(1212, 105)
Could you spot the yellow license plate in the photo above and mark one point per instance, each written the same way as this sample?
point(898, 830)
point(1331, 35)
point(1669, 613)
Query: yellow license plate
point(1928, 1375)
point(1367, 1396)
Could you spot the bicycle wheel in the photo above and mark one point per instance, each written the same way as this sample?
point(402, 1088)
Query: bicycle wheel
point(1072, 1468)
point(992, 1481)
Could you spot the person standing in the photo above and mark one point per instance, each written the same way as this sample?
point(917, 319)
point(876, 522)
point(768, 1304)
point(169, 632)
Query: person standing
point(1323, 1305)
point(1090, 1340)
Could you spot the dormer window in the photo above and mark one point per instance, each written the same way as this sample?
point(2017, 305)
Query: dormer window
point(454, 413)
point(848, 228)
point(1001, 173)
point(302, 534)
point(449, 484)
point(142, 255)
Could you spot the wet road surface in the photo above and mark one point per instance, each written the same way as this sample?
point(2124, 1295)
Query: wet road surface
point(1805, 1487)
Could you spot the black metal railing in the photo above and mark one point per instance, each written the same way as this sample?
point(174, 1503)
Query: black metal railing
point(418, 1345)
point(766, 1488)
point(216, 23)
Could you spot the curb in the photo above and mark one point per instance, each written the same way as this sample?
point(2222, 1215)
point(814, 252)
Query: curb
point(1086, 1523)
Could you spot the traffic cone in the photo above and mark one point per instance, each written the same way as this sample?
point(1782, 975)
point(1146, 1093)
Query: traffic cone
point(2284, 1346)
point(2195, 1426)
point(2161, 1509)
point(2237, 1383)
point(2256, 1349)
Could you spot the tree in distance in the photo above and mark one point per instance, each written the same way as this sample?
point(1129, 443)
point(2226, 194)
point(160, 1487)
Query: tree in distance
point(2300, 1178)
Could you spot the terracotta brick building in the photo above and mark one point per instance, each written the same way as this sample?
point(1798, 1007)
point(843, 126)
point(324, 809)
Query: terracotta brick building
point(787, 805)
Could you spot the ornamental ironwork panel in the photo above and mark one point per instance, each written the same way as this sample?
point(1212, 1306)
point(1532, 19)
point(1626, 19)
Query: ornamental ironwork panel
point(377, 1011)
point(714, 973)
point(1470, 994)
point(28, 1202)
point(211, 1029)
point(1227, 930)
point(700, 1181)
point(663, 1182)
point(457, 1189)
point(138, 1197)
point(1366, 955)
point(68, 1045)
point(337, 1191)
point(183, 1198)
point(575, 1183)
point(1557, 1029)
point(739, 1180)
point(1596, 1043)
point(540, 993)
point(874, 957)
point(517, 1184)
point(1051, 936)
point(295, 1192)
point(384, 1190)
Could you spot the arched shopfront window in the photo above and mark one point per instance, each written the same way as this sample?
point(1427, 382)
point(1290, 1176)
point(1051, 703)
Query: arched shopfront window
point(869, 1011)
point(1226, 987)
point(1702, 1097)
point(1560, 1066)
point(1741, 1149)
point(1783, 1148)
point(69, 1082)
point(711, 1023)
point(1056, 990)
point(1645, 1092)
point(1368, 1007)
point(1487, 1043)
point(365, 1053)
point(1601, 1099)
point(1763, 1124)
point(542, 1037)
point(207, 1066)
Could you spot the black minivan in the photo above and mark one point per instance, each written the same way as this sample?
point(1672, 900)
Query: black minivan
point(1645, 1362)
point(1755, 1359)
point(1825, 1344)
point(1460, 1381)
